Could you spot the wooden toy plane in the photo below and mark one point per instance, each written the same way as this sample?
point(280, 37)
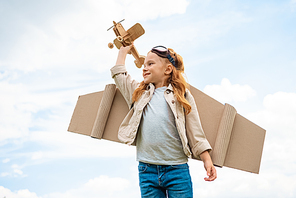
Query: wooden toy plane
point(126, 38)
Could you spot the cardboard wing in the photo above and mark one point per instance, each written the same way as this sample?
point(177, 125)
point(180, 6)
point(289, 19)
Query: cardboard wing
point(99, 114)
point(236, 142)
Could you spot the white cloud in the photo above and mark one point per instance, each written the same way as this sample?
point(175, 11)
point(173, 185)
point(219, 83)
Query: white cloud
point(24, 105)
point(238, 184)
point(292, 5)
point(149, 10)
point(71, 39)
point(63, 145)
point(207, 30)
point(6, 160)
point(18, 105)
point(33, 114)
point(227, 92)
point(14, 116)
point(103, 186)
point(198, 33)
point(278, 116)
point(281, 103)
point(41, 49)
point(18, 171)
point(4, 174)
point(24, 193)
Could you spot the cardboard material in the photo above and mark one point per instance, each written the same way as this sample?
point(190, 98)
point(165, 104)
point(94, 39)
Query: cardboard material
point(89, 119)
point(126, 38)
point(236, 142)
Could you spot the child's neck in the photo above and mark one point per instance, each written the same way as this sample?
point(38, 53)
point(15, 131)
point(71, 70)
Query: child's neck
point(159, 85)
point(162, 83)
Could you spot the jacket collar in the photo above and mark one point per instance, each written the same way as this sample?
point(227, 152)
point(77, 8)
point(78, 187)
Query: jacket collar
point(170, 88)
point(151, 86)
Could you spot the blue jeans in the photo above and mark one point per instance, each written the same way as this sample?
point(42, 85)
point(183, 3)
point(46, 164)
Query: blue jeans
point(157, 181)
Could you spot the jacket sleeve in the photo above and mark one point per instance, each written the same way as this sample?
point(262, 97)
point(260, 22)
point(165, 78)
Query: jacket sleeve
point(194, 131)
point(124, 82)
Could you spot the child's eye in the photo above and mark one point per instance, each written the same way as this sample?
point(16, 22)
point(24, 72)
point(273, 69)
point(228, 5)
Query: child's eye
point(150, 64)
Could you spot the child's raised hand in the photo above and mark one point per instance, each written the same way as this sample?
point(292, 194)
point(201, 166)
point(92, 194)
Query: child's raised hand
point(123, 51)
point(126, 49)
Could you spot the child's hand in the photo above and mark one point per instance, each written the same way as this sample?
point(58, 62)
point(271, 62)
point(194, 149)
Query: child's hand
point(208, 164)
point(123, 51)
point(211, 171)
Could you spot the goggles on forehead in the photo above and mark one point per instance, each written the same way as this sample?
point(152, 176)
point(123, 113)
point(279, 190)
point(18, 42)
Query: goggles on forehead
point(163, 52)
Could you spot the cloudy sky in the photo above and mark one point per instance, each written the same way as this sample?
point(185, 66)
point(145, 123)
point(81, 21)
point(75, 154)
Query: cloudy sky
point(239, 52)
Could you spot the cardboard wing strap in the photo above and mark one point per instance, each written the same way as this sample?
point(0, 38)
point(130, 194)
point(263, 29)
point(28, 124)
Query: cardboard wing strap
point(103, 111)
point(236, 141)
point(223, 135)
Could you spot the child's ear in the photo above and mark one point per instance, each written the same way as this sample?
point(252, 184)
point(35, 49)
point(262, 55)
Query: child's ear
point(169, 69)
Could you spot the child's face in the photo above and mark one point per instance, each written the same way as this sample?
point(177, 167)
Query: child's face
point(155, 70)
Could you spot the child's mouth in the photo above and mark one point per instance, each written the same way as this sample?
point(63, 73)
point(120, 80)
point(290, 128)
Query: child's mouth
point(145, 75)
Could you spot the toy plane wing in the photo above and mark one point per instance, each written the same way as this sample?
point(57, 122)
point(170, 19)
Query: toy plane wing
point(136, 31)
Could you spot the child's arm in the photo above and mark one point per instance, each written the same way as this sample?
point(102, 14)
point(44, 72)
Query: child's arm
point(123, 51)
point(208, 164)
point(122, 79)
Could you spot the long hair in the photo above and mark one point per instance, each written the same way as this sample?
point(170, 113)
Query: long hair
point(176, 79)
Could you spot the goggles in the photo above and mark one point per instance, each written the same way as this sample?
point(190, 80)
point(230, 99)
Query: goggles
point(164, 53)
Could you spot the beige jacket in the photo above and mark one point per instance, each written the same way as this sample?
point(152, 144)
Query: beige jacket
point(189, 126)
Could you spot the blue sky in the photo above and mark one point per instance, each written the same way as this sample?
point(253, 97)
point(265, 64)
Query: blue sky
point(239, 52)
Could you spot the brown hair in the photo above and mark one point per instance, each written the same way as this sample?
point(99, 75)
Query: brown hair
point(176, 79)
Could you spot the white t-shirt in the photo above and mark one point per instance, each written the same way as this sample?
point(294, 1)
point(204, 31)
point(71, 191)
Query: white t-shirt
point(158, 141)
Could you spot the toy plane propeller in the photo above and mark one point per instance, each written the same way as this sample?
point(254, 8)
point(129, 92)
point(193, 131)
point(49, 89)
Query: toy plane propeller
point(126, 38)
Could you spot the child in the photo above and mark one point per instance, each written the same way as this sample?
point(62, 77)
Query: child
point(163, 122)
